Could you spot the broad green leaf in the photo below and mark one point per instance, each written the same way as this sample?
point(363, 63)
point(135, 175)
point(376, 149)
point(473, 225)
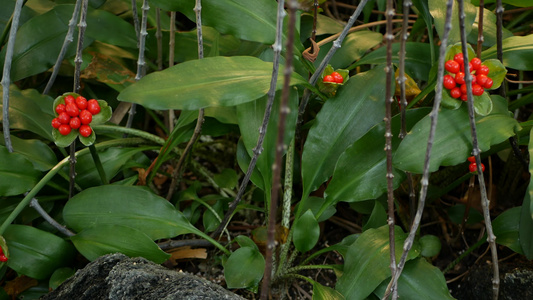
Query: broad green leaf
point(244, 268)
point(517, 51)
point(526, 214)
point(25, 112)
point(506, 229)
point(17, 174)
point(113, 160)
point(367, 262)
point(243, 159)
point(59, 276)
point(212, 81)
point(417, 59)
point(252, 20)
point(517, 3)
point(452, 144)
point(37, 152)
point(438, 11)
point(135, 207)
point(357, 106)
point(228, 178)
point(429, 245)
point(423, 11)
point(99, 23)
point(210, 221)
point(324, 25)
point(36, 253)
point(377, 218)
point(482, 104)
point(315, 204)
point(250, 117)
point(354, 46)
point(357, 179)
point(245, 241)
point(419, 280)
point(104, 239)
point(489, 29)
point(321, 292)
point(306, 232)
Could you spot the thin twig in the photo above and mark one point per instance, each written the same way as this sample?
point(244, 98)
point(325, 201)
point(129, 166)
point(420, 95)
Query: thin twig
point(35, 204)
point(408, 243)
point(159, 36)
point(69, 38)
point(287, 196)
point(389, 73)
point(6, 77)
point(171, 46)
point(200, 120)
point(276, 47)
point(135, 20)
point(336, 45)
point(480, 37)
point(276, 168)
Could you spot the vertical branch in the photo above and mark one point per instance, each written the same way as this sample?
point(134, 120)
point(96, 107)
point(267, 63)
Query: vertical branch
point(499, 39)
point(336, 45)
point(389, 37)
point(141, 64)
point(6, 77)
point(276, 176)
point(200, 120)
point(159, 36)
point(277, 46)
point(289, 165)
point(69, 38)
point(476, 152)
point(480, 38)
point(425, 175)
point(135, 19)
point(171, 45)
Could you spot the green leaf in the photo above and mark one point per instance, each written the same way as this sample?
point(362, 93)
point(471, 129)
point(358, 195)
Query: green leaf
point(417, 59)
point(36, 253)
point(212, 81)
point(419, 280)
point(321, 292)
point(452, 144)
point(357, 179)
point(315, 204)
point(367, 262)
point(100, 21)
point(243, 159)
point(483, 104)
point(357, 106)
point(17, 174)
point(37, 152)
point(429, 245)
point(228, 178)
point(517, 52)
point(26, 113)
point(526, 214)
point(135, 207)
point(489, 29)
point(438, 11)
point(111, 238)
point(245, 241)
point(506, 229)
point(244, 268)
point(378, 217)
point(306, 232)
point(497, 72)
point(517, 3)
point(59, 276)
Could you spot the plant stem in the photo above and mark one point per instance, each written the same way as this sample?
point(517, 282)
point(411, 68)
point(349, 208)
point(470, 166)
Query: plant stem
point(135, 20)
point(171, 45)
point(35, 205)
point(6, 77)
point(476, 152)
point(98, 164)
point(480, 37)
point(287, 196)
point(158, 36)
point(408, 243)
point(276, 168)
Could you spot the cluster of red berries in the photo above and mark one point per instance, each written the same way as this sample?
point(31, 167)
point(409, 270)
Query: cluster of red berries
point(456, 84)
point(334, 77)
point(76, 113)
point(3, 257)
point(473, 166)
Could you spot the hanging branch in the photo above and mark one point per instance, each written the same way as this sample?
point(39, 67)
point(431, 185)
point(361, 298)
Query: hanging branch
point(200, 120)
point(159, 36)
point(276, 168)
point(425, 177)
point(336, 45)
point(69, 38)
point(476, 152)
point(277, 46)
point(480, 37)
point(6, 77)
point(135, 20)
point(141, 64)
point(389, 73)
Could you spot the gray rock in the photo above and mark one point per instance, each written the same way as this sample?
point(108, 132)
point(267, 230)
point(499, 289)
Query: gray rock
point(117, 277)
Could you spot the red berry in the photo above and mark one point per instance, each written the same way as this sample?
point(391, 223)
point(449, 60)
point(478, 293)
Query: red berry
point(64, 129)
point(72, 110)
point(452, 66)
point(488, 83)
point(63, 118)
point(477, 90)
point(460, 77)
point(455, 92)
point(93, 106)
point(60, 108)
point(463, 89)
point(328, 78)
point(81, 103)
point(449, 82)
point(85, 130)
point(474, 79)
point(75, 123)
point(473, 167)
point(337, 77)
point(469, 67)
point(459, 58)
point(86, 117)
point(483, 70)
point(464, 97)
point(472, 159)
point(481, 79)
point(56, 123)
point(3, 257)
point(69, 99)
point(476, 63)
